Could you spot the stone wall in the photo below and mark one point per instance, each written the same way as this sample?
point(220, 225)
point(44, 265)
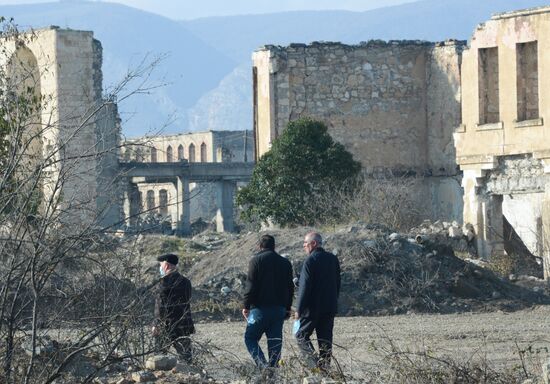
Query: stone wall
point(443, 106)
point(72, 120)
point(394, 105)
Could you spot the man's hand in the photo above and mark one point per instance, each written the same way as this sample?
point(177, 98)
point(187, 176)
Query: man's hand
point(155, 331)
point(245, 313)
point(296, 315)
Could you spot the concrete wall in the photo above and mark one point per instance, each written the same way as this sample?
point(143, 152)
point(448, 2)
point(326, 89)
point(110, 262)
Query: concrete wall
point(393, 105)
point(230, 146)
point(221, 146)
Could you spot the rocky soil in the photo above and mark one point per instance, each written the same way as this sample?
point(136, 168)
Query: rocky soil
point(382, 272)
point(451, 314)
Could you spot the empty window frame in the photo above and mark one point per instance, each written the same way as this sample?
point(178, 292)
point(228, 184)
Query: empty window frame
point(488, 86)
point(150, 200)
point(527, 77)
point(163, 202)
point(153, 155)
point(180, 152)
point(169, 154)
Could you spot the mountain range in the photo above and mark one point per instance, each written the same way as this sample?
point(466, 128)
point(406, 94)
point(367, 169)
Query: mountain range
point(207, 66)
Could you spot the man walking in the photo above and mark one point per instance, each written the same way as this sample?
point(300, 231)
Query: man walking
point(318, 291)
point(267, 301)
point(173, 322)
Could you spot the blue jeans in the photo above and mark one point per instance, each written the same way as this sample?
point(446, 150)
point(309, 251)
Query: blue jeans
point(268, 320)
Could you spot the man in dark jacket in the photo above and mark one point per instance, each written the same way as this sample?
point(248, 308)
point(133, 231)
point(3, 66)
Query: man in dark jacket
point(267, 301)
point(316, 306)
point(173, 321)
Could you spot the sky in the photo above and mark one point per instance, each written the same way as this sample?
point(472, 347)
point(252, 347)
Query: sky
point(189, 9)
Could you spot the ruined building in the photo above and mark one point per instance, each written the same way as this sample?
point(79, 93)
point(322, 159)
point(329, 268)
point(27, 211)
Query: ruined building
point(398, 106)
point(159, 198)
point(76, 130)
point(502, 145)
point(76, 133)
point(393, 105)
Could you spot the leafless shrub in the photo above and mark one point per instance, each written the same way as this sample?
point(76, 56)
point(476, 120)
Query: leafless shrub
point(60, 271)
point(423, 365)
point(387, 200)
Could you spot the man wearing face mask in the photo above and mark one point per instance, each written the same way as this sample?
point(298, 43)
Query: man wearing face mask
point(173, 322)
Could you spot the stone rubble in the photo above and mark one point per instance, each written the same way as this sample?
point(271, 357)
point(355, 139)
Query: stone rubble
point(143, 377)
point(161, 362)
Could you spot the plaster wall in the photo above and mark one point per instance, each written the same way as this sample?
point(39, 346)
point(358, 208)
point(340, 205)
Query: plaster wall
point(509, 136)
point(508, 153)
point(524, 213)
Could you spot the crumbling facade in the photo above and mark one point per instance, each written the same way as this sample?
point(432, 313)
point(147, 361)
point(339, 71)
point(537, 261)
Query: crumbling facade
point(76, 129)
point(159, 198)
point(502, 145)
point(394, 105)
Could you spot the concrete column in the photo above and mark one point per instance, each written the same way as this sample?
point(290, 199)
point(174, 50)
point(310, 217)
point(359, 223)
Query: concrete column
point(484, 213)
point(131, 203)
point(173, 203)
point(183, 226)
point(225, 192)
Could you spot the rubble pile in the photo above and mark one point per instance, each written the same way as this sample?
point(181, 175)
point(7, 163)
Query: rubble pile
point(89, 365)
point(382, 272)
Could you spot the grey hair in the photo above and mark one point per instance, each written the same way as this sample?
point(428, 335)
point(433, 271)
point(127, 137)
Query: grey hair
point(314, 236)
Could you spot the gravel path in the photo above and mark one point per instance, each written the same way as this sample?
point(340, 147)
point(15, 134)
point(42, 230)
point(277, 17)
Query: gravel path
point(364, 342)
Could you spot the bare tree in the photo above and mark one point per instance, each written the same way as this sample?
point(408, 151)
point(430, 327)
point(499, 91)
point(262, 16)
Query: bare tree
point(61, 273)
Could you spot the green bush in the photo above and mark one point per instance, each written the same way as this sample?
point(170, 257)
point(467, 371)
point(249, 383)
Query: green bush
point(303, 163)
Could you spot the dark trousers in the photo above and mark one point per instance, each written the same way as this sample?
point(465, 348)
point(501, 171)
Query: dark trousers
point(181, 342)
point(323, 326)
point(268, 320)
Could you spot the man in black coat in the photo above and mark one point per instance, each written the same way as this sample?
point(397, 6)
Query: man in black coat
point(173, 321)
point(267, 301)
point(316, 306)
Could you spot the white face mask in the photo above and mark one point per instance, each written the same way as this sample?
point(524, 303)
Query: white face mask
point(162, 273)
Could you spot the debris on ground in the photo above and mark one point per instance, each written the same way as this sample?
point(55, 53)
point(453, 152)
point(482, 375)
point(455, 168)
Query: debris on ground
point(383, 272)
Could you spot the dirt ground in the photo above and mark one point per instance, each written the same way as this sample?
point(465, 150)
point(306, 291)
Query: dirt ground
point(363, 344)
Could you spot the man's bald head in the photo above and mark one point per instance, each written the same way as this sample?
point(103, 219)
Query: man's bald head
point(312, 241)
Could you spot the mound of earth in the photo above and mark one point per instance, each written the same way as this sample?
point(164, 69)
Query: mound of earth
point(382, 273)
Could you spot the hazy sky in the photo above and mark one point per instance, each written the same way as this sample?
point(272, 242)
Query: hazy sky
point(191, 9)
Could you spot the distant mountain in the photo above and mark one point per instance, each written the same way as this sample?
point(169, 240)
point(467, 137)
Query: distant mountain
point(228, 107)
point(432, 20)
point(191, 68)
point(208, 67)
point(238, 36)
